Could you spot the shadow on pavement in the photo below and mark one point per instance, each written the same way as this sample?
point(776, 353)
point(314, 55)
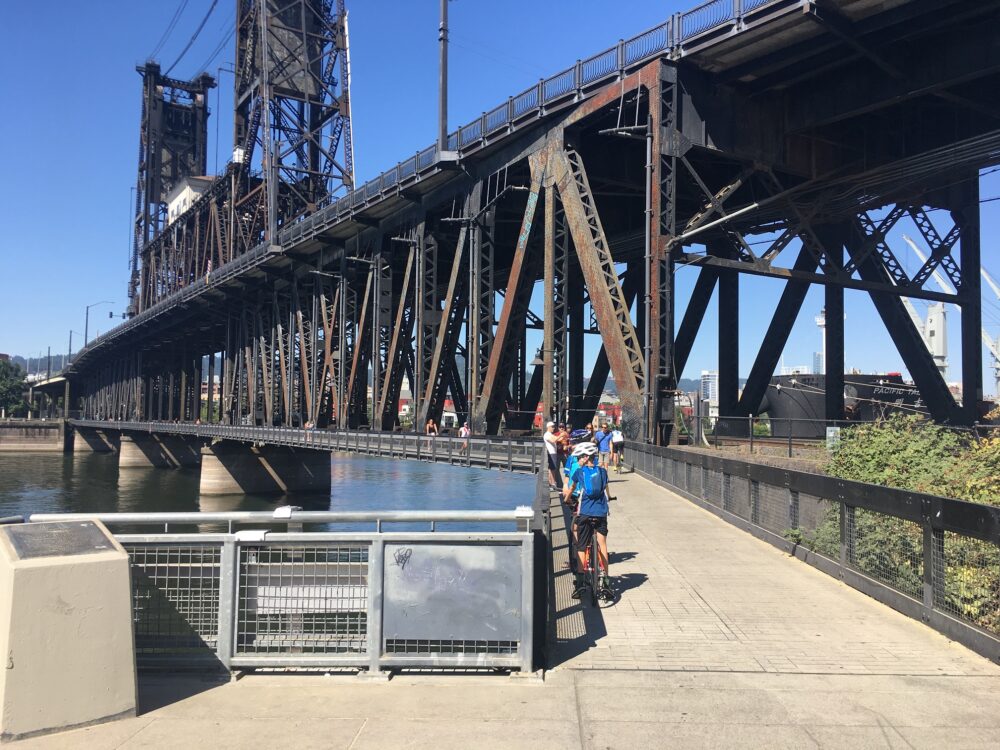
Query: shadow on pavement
point(159, 690)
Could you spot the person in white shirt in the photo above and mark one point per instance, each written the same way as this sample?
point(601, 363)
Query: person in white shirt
point(552, 453)
point(617, 448)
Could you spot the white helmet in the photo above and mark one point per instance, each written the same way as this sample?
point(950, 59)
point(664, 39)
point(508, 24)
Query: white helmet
point(585, 449)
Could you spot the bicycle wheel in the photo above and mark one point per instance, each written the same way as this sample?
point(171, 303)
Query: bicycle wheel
point(595, 568)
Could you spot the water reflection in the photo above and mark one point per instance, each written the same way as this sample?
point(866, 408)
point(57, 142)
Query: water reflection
point(91, 482)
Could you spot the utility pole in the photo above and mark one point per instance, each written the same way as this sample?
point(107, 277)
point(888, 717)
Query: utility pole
point(443, 80)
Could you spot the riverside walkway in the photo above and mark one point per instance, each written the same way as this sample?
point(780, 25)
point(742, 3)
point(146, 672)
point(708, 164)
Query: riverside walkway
point(718, 640)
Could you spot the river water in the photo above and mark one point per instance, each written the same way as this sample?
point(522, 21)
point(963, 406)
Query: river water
point(56, 482)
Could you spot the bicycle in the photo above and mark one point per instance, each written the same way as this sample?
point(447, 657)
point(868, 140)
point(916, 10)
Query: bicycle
point(592, 571)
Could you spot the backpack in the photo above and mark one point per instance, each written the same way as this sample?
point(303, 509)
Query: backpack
point(595, 482)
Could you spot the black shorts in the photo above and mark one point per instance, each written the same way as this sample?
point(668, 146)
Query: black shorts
point(619, 448)
point(553, 462)
point(585, 525)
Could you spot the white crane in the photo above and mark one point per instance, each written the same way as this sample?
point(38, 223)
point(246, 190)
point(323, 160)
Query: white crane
point(991, 344)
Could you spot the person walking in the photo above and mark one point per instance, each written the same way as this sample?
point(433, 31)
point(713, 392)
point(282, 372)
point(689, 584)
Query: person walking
point(617, 447)
point(551, 442)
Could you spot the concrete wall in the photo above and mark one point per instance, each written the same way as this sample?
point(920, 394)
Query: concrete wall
point(21, 437)
point(233, 468)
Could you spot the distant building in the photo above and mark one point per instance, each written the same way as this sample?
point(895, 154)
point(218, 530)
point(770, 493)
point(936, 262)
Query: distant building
point(4, 357)
point(710, 387)
point(185, 194)
point(817, 363)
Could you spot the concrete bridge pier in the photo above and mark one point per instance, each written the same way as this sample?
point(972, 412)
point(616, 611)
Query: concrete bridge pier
point(94, 440)
point(231, 468)
point(143, 450)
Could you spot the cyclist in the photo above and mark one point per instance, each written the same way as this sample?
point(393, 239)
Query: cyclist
point(592, 514)
point(568, 469)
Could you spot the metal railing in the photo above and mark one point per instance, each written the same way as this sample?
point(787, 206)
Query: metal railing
point(680, 35)
point(932, 558)
point(373, 600)
point(510, 454)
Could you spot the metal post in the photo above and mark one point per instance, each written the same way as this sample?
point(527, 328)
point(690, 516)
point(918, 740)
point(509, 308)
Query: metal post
point(376, 579)
point(443, 80)
point(228, 587)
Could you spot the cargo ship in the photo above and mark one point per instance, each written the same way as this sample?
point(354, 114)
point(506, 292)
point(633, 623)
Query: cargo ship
point(797, 402)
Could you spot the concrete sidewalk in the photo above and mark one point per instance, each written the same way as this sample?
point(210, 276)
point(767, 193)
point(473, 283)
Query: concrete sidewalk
point(718, 641)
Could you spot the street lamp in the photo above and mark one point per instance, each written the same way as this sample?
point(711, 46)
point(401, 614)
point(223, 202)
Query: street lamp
point(86, 319)
point(69, 354)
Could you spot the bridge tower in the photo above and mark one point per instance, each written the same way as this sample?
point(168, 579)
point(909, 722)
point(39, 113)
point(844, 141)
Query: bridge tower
point(173, 144)
point(292, 129)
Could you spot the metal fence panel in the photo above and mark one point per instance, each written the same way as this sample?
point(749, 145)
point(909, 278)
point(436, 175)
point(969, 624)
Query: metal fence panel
point(888, 549)
point(175, 600)
point(451, 598)
point(302, 599)
point(740, 503)
point(967, 578)
point(705, 17)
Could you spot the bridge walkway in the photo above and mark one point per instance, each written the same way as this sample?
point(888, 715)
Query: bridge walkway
point(700, 595)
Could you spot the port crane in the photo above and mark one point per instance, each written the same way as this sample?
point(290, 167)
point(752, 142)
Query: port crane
point(940, 344)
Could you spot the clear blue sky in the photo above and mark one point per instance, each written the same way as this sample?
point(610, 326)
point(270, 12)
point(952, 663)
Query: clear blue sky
point(69, 140)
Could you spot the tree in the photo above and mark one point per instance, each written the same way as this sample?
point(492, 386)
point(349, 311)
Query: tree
point(11, 386)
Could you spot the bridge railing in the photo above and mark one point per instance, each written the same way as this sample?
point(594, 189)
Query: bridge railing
point(932, 558)
point(493, 452)
point(371, 600)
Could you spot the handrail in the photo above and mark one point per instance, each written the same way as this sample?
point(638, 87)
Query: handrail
point(944, 513)
point(287, 515)
point(666, 38)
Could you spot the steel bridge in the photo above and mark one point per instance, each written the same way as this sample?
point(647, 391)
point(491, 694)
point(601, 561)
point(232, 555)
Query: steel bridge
point(777, 138)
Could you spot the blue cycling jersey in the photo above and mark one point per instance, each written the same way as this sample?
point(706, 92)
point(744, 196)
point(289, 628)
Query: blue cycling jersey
point(594, 482)
point(571, 466)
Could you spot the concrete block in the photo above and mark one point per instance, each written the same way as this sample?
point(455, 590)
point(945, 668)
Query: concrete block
point(232, 468)
point(143, 450)
point(65, 628)
point(93, 440)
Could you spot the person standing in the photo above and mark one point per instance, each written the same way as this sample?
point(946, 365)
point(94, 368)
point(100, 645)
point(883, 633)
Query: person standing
point(551, 441)
point(603, 440)
point(464, 432)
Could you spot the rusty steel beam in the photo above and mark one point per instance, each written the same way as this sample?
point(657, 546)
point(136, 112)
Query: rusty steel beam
point(606, 297)
point(489, 410)
point(385, 413)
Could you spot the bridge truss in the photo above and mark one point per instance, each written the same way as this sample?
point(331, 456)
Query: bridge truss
point(785, 145)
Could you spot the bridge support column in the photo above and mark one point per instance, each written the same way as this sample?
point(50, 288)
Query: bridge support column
point(234, 468)
point(91, 440)
point(140, 450)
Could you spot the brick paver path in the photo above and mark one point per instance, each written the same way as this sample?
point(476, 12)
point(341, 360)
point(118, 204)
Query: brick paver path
point(700, 595)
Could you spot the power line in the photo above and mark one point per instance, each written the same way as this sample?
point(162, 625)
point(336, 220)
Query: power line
point(221, 46)
point(194, 36)
point(170, 28)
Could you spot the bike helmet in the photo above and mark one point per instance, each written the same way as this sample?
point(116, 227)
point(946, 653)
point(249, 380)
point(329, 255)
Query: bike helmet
point(577, 435)
point(585, 449)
